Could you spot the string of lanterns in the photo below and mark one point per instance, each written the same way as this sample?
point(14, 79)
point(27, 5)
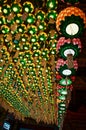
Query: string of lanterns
point(70, 24)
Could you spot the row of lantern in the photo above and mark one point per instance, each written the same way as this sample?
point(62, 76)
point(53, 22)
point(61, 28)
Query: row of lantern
point(70, 24)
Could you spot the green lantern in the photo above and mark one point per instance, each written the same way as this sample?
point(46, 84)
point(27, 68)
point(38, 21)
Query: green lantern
point(16, 8)
point(33, 38)
point(51, 4)
point(26, 46)
point(18, 19)
point(65, 82)
point(42, 36)
point(28, 7)
point(52, 15)
point(42, 26)
point(21, 28)
point(35, 46)
point(37, 53)
point(32, 29)
point(24, 38)
point(6, 9)
point(62, 97)
point(45, 54)
point(5, 29)
point(30, 19)
point(63, 91)
point(40, 15)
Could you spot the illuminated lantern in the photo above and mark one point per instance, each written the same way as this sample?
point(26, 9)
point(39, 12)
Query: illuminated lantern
point(21, 28)
point(42, 36)
point(62, 67)
point(68, 46)
point(16, 8)
point(52, 14)
point(71, 22)
point(35, 46)
point(33, 38)
point(52, 4)
point(63, 91)
point(65, 82)
point(6, 9)
point(30, 19)
point(28, 7)
point(5, 29)
point(32, 29)
point(18, 19)
point(42, 26)
point(40, 15)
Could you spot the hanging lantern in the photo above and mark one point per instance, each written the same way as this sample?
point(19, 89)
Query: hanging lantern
point(52, 4)
point(28, 7)
point(62, 67)
point(37, 53)
point(45, 54)
point(71, 22)
point(51, 15)
point(18, 19)
point(69, 46)
point(24, 38)
point(42, 26)
point(62, 97)
point(21, 28)
point(63, 91)
point(33, 38)
point(40, 15)
point(16, 8)
point(42, 36)
point(70, 1)
point(5, 29)
point(65, 82)
point(30, 19)
point(32, 29)
point(35, 46)
point(6, 9)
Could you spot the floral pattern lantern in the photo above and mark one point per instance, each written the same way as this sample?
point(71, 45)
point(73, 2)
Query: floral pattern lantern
point(68, 46)
point(62, 67)
point(71, 22)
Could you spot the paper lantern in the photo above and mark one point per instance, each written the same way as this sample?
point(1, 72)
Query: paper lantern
point(6, 9)
point(28, 7)
point(71, 22)
point(51, 4)
point(65, 82)
point(68, 46)
point(40, 15)
point(63, 69)
point(16, 8)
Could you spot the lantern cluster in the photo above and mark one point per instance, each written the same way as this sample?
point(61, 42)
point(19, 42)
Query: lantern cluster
point(70, 24)
point(28, 39)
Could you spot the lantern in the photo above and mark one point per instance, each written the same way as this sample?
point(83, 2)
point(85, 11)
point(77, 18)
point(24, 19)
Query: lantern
point(68, 46)
point(71, 22)
point(62, 68)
